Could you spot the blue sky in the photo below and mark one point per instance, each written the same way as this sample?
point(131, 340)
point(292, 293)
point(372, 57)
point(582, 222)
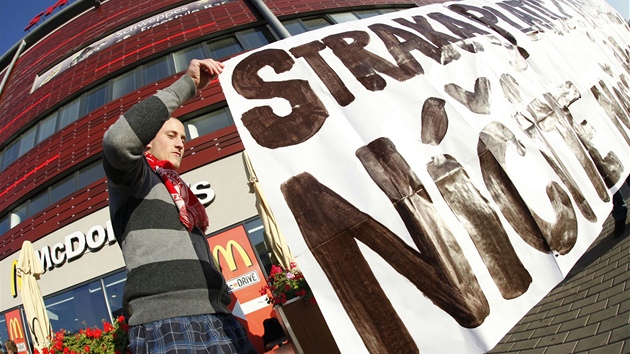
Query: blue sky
point(16, 14)
point(622, 6)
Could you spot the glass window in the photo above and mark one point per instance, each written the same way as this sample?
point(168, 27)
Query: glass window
point(27, 141)
point(256, 233)
point(62, 189)
point(224, 47)
point(114, 285)
point(315, 23)
point(184, 56)
point(4, 331)
point(46, 127)
point(40, 202)
point(294, 27)
point(19, 214)
point(157, 70)
point(208, 123)
point(78, 308)
point(10, 154)
point(95, 99)
point(366, 13)
point(386, 11)
point(255, 37)
point(5, 224)
point(343, 17)
point(123, 84)
point(69, 113)
point(91, 174)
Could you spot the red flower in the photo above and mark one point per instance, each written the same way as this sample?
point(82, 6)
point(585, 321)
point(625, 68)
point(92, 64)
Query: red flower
point(263, 290)
point(91, 340)
point(285, 283)
point(276, 270)
point(58, 346)
point(108, 327)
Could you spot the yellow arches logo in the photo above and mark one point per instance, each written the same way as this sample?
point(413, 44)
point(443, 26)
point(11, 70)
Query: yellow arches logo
point(228, 254)
point(15, 329)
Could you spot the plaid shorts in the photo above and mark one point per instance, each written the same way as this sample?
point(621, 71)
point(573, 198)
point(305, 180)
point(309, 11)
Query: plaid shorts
point(215, 334)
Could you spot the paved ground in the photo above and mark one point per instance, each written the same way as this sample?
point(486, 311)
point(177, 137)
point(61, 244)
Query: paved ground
point(588, 312)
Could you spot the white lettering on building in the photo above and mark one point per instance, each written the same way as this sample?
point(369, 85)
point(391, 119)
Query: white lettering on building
point(204, 193)
point(76, 243)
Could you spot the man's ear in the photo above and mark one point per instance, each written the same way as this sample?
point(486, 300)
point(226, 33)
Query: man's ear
point(148, 147)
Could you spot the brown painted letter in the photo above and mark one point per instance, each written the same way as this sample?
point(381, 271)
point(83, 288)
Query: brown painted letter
point(477, 101)
point(559, 236)
point(483, 225)
point(434, 121)
point(330, 227)
point(310, 53)
point(439, 47)
point(364, 64)
point(268, 129)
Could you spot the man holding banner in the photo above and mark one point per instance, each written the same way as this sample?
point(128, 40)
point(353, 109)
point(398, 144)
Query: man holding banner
point(176, 296)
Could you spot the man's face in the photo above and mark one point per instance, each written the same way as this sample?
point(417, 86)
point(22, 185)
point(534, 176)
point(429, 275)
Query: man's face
point(168, 144)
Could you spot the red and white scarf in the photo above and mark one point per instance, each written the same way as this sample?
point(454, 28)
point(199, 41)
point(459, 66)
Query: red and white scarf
point(191, 212)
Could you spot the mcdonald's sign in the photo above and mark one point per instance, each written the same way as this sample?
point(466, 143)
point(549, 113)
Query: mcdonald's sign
point(228, 254)
point(244, 278)
point(15, 329)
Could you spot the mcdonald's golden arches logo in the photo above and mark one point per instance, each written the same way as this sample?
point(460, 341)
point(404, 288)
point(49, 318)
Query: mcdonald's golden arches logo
point(15, 329)
point(228, 254)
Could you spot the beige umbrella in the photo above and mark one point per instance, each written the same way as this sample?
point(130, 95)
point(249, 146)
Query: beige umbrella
point(29, 268)
point(273, 236)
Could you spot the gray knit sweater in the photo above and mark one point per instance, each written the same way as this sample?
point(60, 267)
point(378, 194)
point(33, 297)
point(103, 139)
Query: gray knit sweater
point(170, 271)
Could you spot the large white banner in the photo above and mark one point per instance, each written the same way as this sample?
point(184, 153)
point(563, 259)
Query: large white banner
point(438, 170)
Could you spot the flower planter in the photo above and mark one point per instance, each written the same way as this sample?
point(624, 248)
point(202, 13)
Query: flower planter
point(305, 325)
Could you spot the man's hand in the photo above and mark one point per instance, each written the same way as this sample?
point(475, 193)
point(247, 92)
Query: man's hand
point(204, 71)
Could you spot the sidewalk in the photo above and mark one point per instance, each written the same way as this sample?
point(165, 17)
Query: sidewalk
point(589, 311)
